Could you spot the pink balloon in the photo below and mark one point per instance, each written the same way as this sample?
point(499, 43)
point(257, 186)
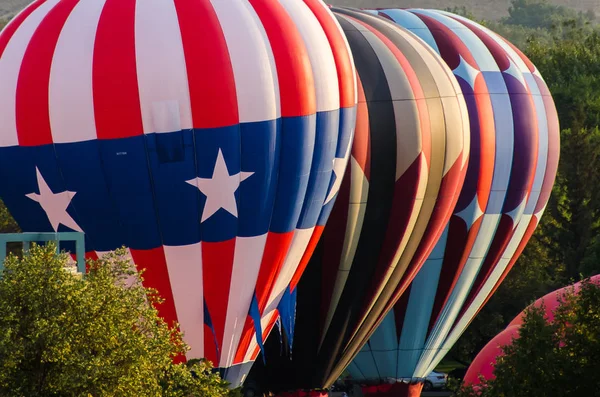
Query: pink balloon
point(486, 358)
point(551, 300)
point(484, 362)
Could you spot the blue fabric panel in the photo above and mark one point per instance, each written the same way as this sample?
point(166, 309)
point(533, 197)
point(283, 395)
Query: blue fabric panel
point(328, 127)
point(297, 146)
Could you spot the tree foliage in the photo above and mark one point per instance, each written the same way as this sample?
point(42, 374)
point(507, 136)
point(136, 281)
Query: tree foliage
point(558, 359)
point(540, 14)
point(99, 335)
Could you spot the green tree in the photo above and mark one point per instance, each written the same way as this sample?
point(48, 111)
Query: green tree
point(541, 14)
point(99, 335)
point(558, 359)
point(569, 231)
point(7, 222)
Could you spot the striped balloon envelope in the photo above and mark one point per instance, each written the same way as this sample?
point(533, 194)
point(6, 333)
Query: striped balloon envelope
point(513, 163)
point(408, 163)
point(207, 136)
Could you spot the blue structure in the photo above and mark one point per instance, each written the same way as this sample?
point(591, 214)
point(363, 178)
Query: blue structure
point(27, 238)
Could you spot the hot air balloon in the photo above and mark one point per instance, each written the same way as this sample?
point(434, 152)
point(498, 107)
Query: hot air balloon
point(408, 162)
point(483, 364)
point(201, 134)
point(514, 157)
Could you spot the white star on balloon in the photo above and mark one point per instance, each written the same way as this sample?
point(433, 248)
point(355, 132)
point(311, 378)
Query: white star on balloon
point(471, 213)
point(517, 212)
point(54, 204)
point(514, 71)
point(339, 166)
point(220, 188)
point(467, 72)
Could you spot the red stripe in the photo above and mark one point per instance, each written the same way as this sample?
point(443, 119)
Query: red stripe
point(340, 52)
point(91, 256)
point(487, 146)
point(34, 78)
point(10, 29)
point(276, 249)
point(210, 349)
point(156, 276)
point(217, 266)
point(245, 340)
point(114, 74)
point(209, 71)
point(294, 71)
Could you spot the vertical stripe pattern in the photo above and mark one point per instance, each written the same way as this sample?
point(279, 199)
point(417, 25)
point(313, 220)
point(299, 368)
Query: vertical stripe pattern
point(208, 137)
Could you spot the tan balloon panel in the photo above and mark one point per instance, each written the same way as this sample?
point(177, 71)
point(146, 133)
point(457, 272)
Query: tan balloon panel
point(442, 95)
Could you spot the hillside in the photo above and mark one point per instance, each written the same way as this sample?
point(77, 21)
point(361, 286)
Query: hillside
point(488, 9)
point(485, 9)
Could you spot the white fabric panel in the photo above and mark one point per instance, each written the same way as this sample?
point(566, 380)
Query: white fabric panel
point(160, 57)
point(10, 65)
point(184, 264)
point(257, 85)
point(246, 265)
point(505, 142)
point(71, 98)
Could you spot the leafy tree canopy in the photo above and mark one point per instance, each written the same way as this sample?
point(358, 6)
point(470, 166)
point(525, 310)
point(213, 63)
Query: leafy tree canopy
point(99, 335)
point(541, 14)
point(558, 359)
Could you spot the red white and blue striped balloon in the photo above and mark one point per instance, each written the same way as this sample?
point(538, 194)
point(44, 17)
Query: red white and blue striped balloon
point(512, 166)
point(207, 136)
